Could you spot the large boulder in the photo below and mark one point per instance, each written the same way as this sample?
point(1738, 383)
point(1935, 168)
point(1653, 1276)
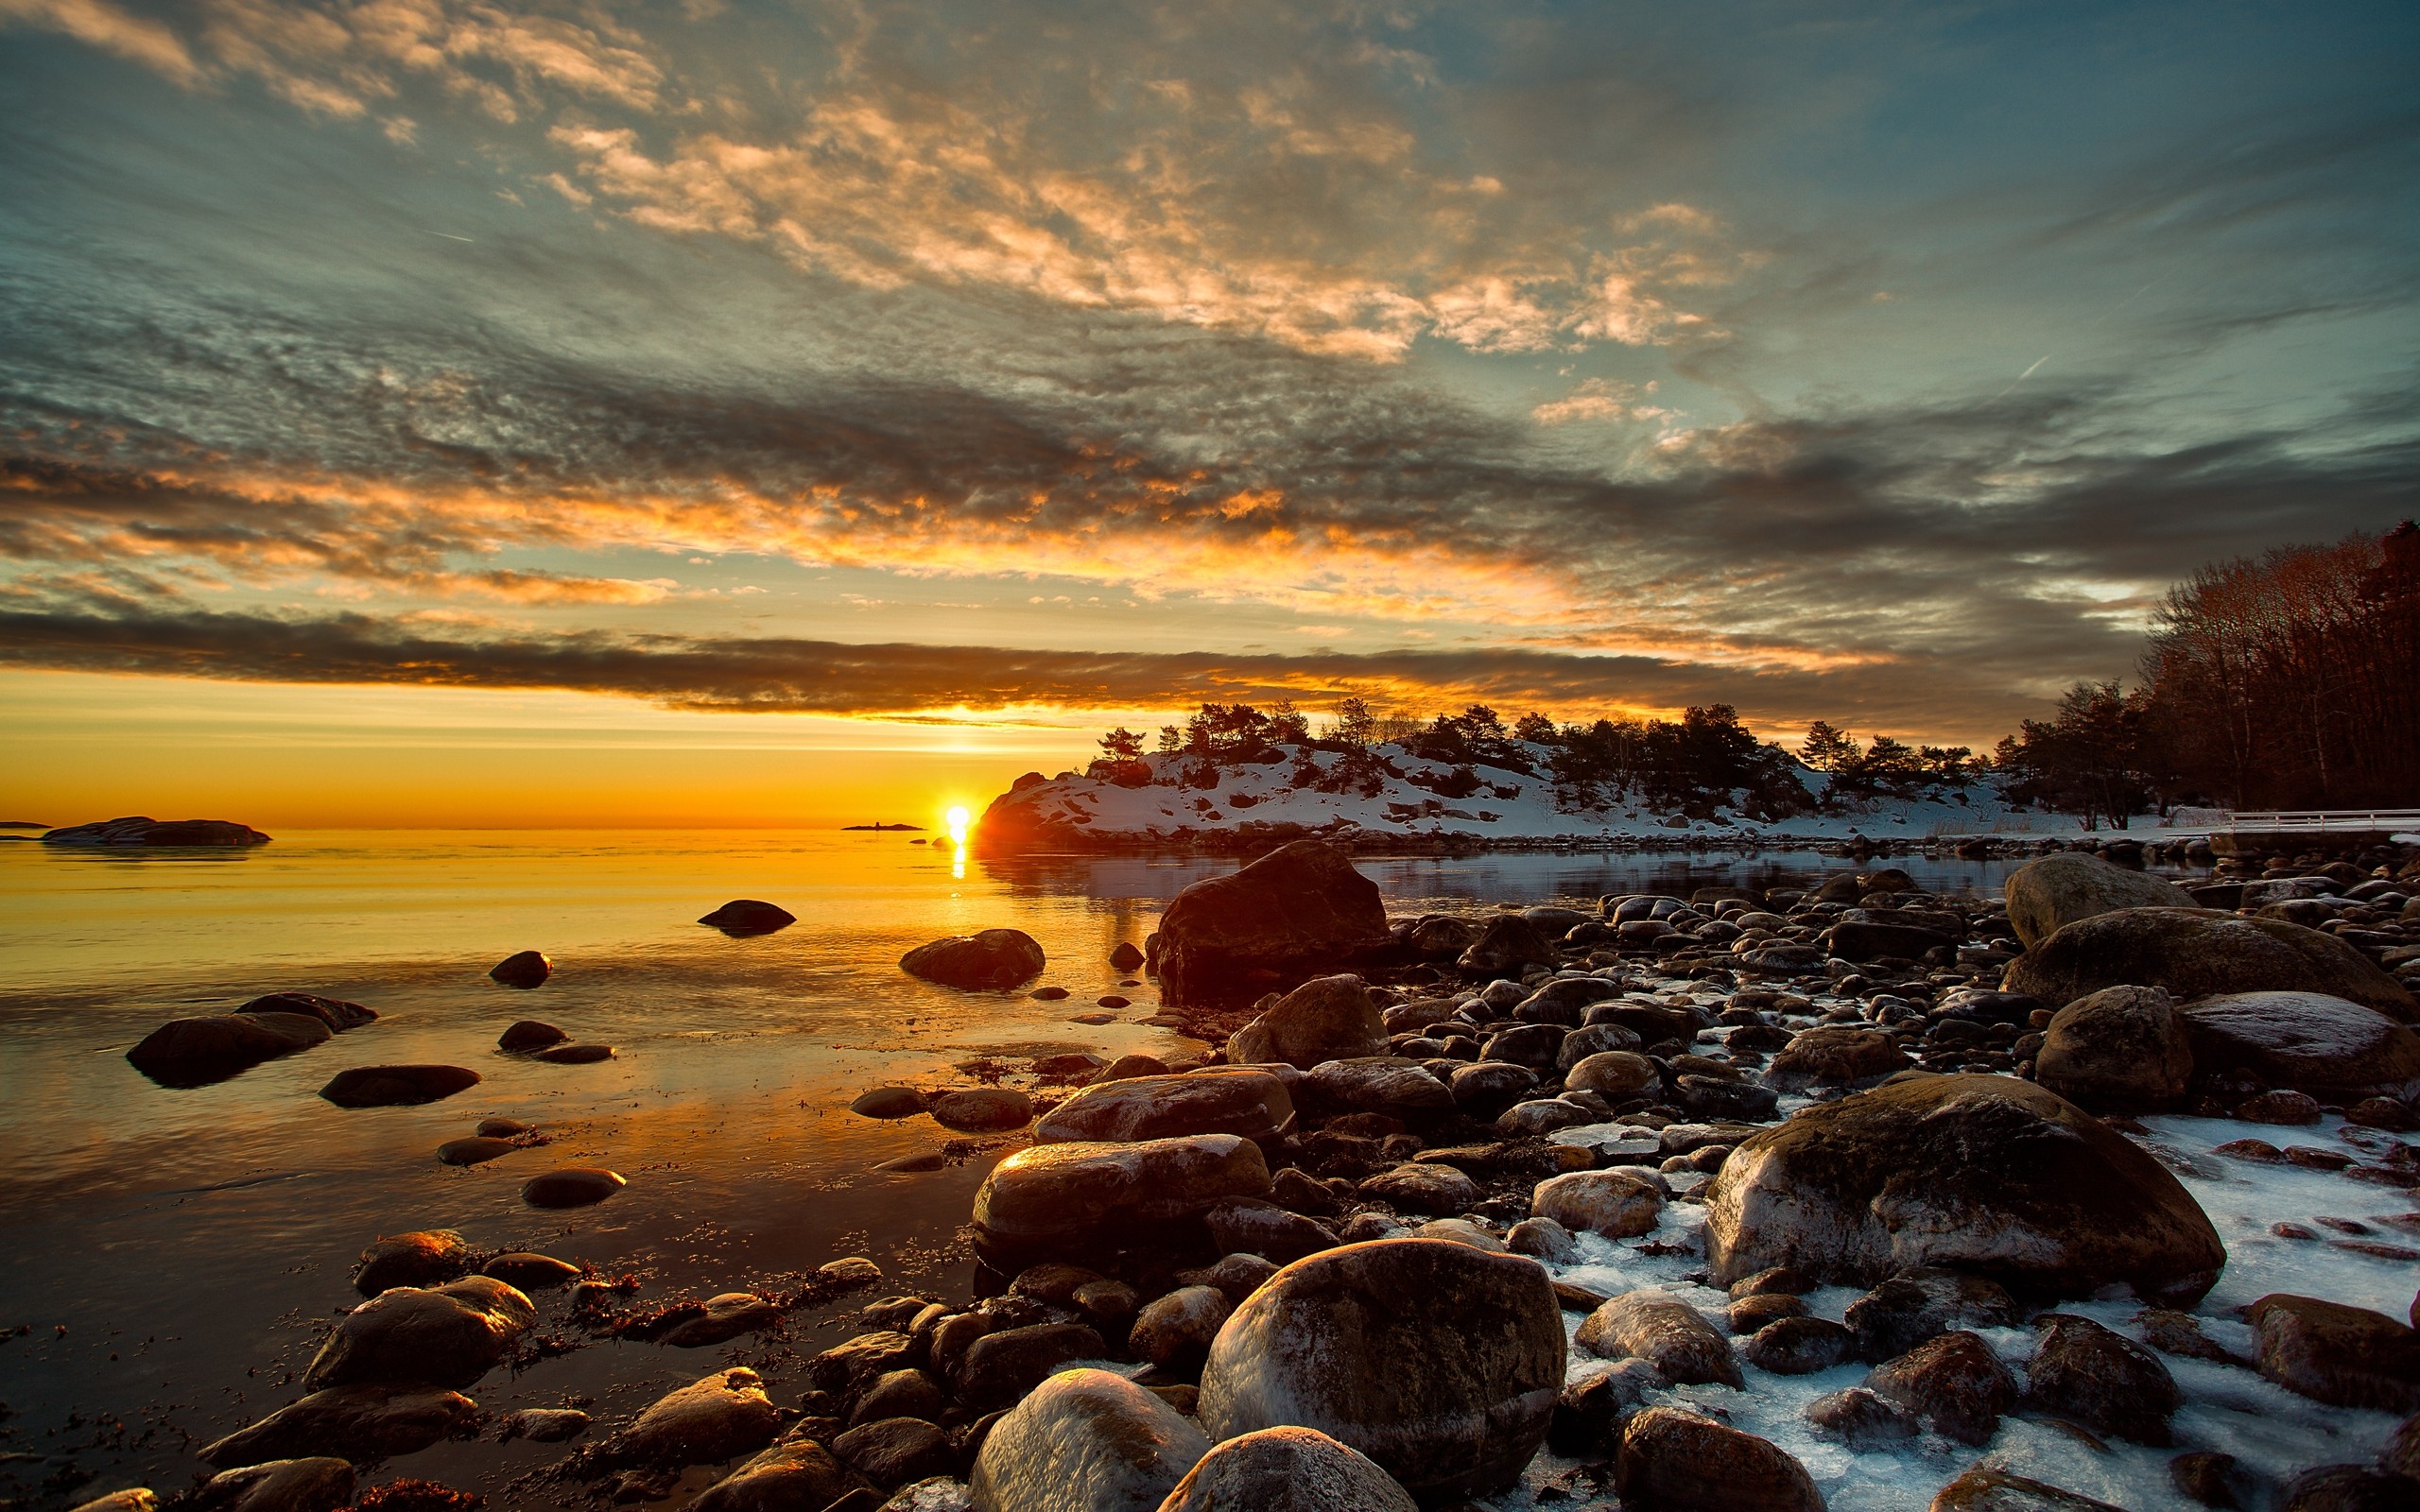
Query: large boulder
point(1286, 1469)
point(446, 1336)
point(197, 1052)
point(2046, 895)
point(993, 960)
point(1328, 1018)
point(1437, 1360)
point(1293, 913)
point(1984, 1174)
point(359, 1423)
point(2343, 1356)
point(2121, 1048)
point(2331, 1048)
point(1217, 1100)
point(2197, 954)
point(1086, 1441)
point(1081, 1200)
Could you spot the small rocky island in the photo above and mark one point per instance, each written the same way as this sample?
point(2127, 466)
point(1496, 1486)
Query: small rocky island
point(141, 830)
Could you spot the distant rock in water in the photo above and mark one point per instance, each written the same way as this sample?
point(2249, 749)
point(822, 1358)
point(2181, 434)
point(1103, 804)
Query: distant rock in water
point(197, 1052)
point(530, 1034)
point(996, 959)
point(396, 1086)
point(748, 916)
point(140, 830)
point(524, 968)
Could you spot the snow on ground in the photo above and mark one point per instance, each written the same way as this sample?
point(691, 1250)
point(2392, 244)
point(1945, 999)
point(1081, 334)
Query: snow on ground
point(1508, 805)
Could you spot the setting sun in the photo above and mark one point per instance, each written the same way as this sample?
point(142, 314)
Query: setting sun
point(958, 819)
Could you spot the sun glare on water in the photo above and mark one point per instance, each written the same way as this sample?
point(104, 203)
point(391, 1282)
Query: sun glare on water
point(958, 819)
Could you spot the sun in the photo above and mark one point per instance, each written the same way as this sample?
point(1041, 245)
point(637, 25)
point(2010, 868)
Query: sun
point(958, 819)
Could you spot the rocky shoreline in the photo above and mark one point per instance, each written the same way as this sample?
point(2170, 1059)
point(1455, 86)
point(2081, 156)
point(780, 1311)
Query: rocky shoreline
point(1742, 1201)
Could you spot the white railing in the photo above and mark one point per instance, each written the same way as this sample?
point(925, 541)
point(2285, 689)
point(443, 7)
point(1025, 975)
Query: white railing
point(2327, 819)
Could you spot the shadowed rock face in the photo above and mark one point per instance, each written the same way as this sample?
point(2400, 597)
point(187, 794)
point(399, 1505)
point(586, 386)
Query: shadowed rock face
point(1297, 911)
point(2055, 891)
point(2324, 1045)
point(1986, 1174)
point(2197, 954)
point(1450, 1394)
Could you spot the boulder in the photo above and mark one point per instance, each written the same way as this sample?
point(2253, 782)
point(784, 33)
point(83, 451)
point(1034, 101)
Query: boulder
point(1861, 1419)
point(2045, 896)
point(983, 1109)
point(1328, 1018)
point(1954, 1381)
point(448, 1335)
point(906, 1393)
point(796, 1474)
point(358, 1423)
point(426, 1258)
point(1286, 1469)
point(1619, 1204)
point(1217, 1100)
point(1175, 1331)
point(1003, 1366)
point(396, 1086)
point(1983, 1489)
point(197, 1052)
point(524, 968)
point(1450, 1394)
point(1797, 1346)
point(319, 1483)
point(1852, 940)
point(1617, 1075)
point(1664, 1332)
point(894, 1451)
point(1923, 1303)
point(2343, 1356)
point(1293, 913)
point(1987, 1174)
point(1125, 957)
point(2349, 1488)
point(2103, 1380)
point(993, 960)
point(525, 1035)
point(1508, 945)
point(726, 1317)
point(713, 1419)
point(2197, 954)
point(529, 1272)
point(1835, 1057)
point(335, 1013)
point(2120, 1049)
point(1438, 1190)
point(743, 916)
point(1684, 1462)
point(574, 1186)
point(1081, 1200)
point(2328, 1046)
point(1247, 1226)
point(1086, 1441)
point(1378, 1084)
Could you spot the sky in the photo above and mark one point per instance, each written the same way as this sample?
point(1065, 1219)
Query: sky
point(422, 411)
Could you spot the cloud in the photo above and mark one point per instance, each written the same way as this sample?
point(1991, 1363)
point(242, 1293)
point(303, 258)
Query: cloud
point(99, 24)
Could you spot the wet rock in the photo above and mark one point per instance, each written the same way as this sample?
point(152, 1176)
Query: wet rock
point(1296, 911)
point(993, 960)
point(1798, 1346)
point(337, 1014)
point(1955, 1382)
point(1852, 940)
point(448, 1335)
point(319, 1483)
point(1544, 1238)
point(2212, 1478)
point(396, 1086)
point(1250, 1226)
point(2343, 1356)
point(575, 1186)
point(2043, 896)
point(133, 1499)
point(1534, 1045)
point(198, 1051)
point(1000, 1367)
point(1619, 1204)
point(530, 1273)
point(1921, 1303)
point(357, 1423)
point(714, 1418)
point(527, 1035)
point(1126, 957)
point(477, 1149)
point(1174, 1332)
point(793, 1474)
point(524, 968)
point(983, 1111)
point(939, 1494)
point(1437, 1190)
point(1750, 1313)
point(1286, 1469)
point(578, 1055)
point(1687, 1463)
point(1237, 1277)
point(1836, 1057)
point(2103, 1380)
point(1378, 1084)
point(1712, 1098)
point(426, 1258)
point(1990, 1491)
point(1860, 1418)
point(2196, 954)
point(1543, 1116)
point(894, 1451)
point(2349, 1488)
point(2338, 1050)
point(1217, 1100)
point(1988, 1173)
point(1082, 1199)
point(2288, 1109)
point(1086, 1441)
point(1328, 1018)
point(2403, 1449)
point(1508, 945)
point(1617, 1075)
point(889, 1102)
point(2122, 1048)
point(1666, 1332)
point(743, 916)
point(546, 1425)
point(1595, 1040)
point(849, 1366)
point(1451, 1396)
point(1773, 1280)
point(900, 1394)
point(726, 1317)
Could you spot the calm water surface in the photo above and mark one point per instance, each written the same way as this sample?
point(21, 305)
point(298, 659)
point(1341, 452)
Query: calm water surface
point(172, 1255)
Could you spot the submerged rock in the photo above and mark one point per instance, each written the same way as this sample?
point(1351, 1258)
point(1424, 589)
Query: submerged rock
point(397, 1086)
point(1296, 911)
point(477, 1149)
point(1988, 1174)
point(141, 830)
point(1286, 1469)
point(1079, 1201)
point(983, 1109)
point(726, 1317)
point(993, 960)
point(1982, 1490)
point(1439, 1362)
point(1086, 1441)
point(889, 1102)
point(528, 1272)
point(2196, 954)
point(2045, 896)
point(1218, 1100)
point(577, 1054)
point(448, 1335)
point(748, 916)
point(358, 1423)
